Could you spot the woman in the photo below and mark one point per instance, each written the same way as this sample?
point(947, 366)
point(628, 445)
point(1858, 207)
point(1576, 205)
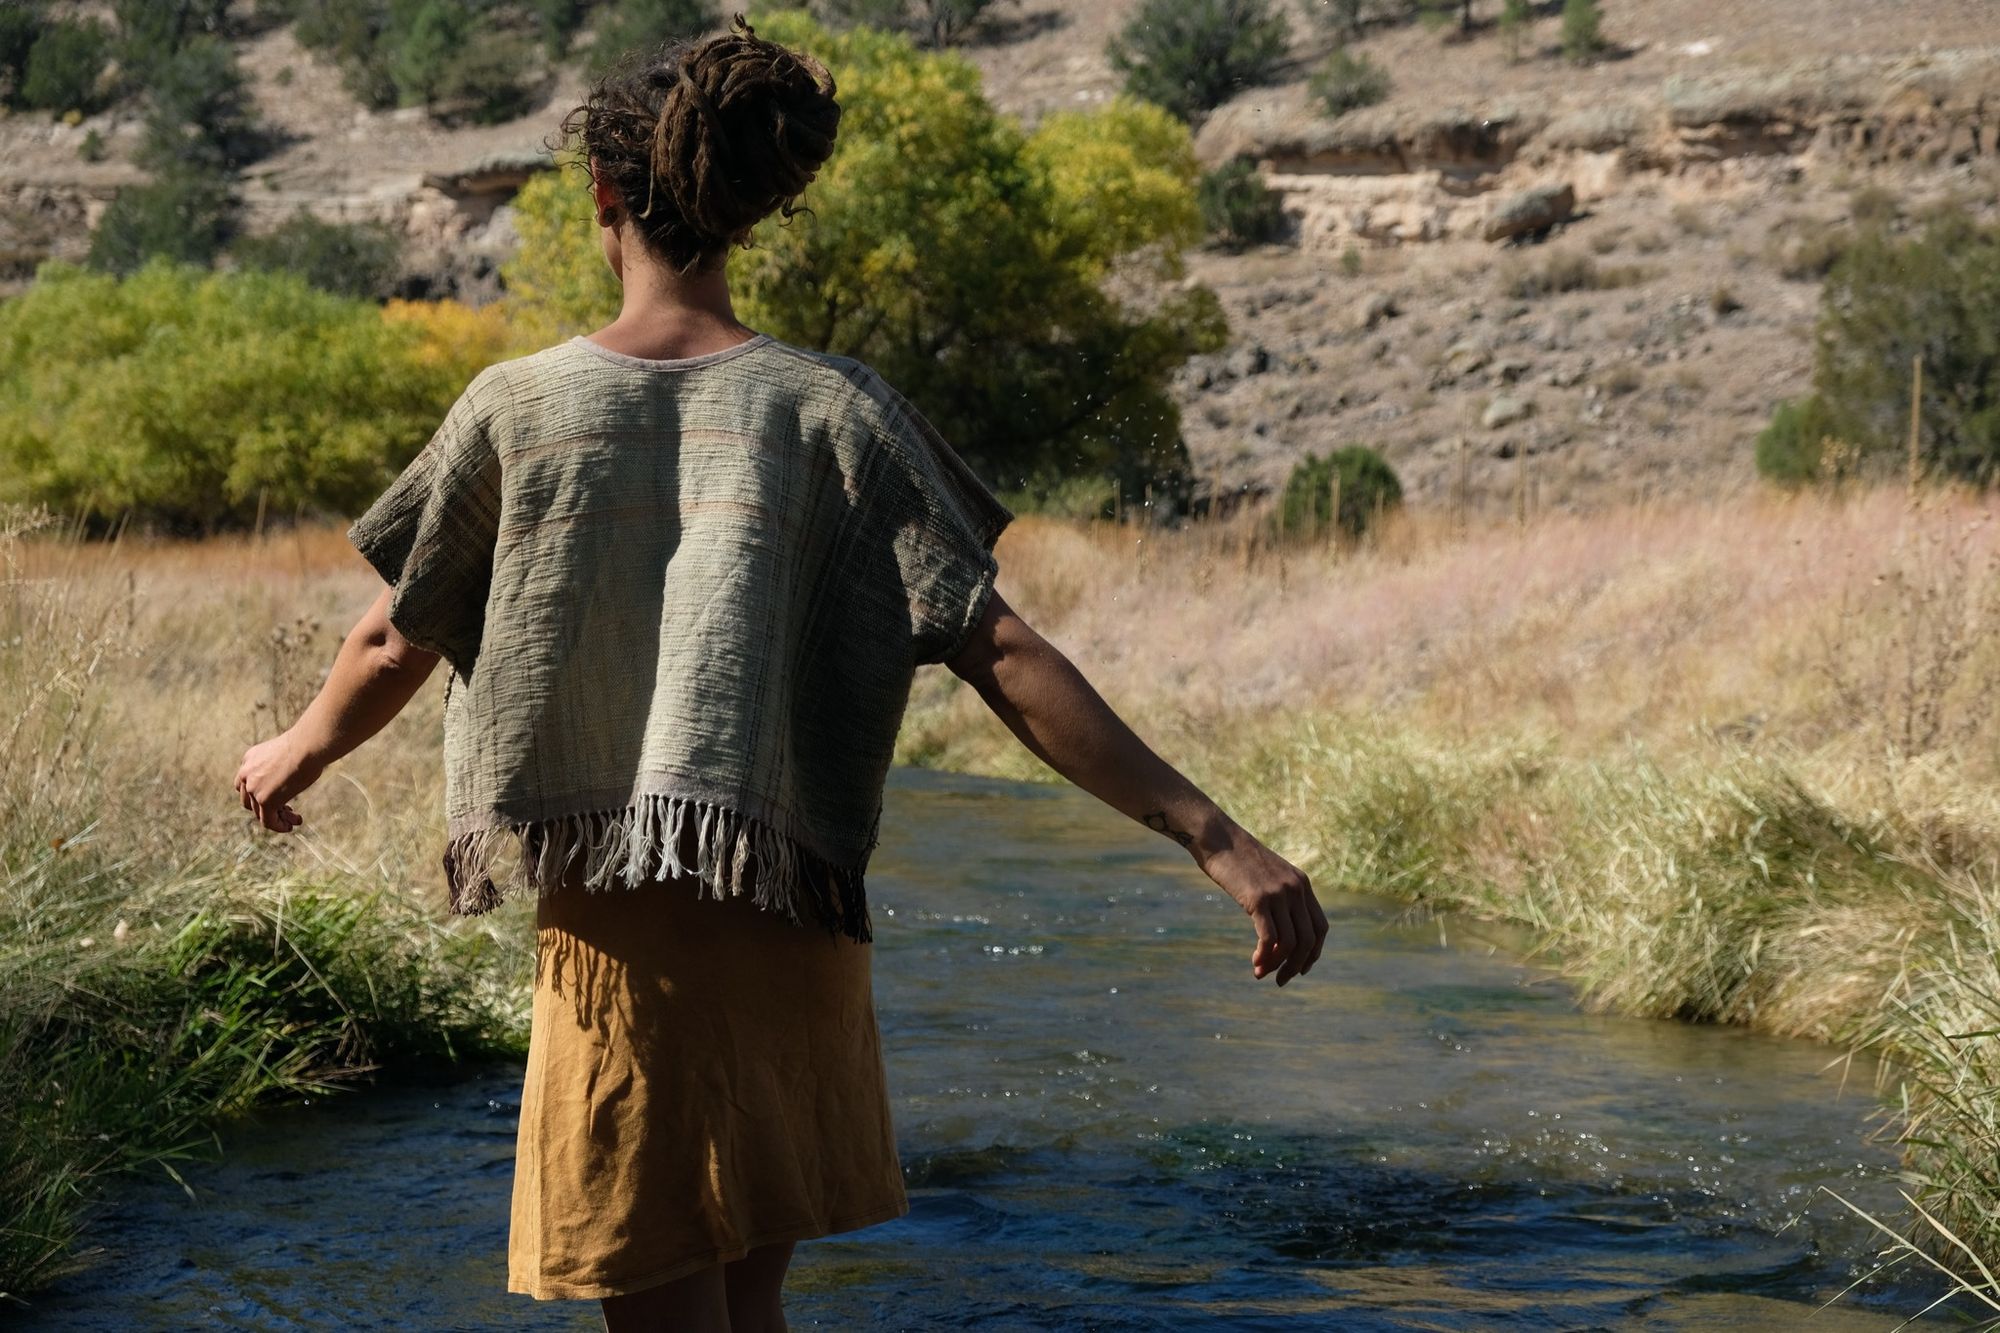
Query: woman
point(682, 574)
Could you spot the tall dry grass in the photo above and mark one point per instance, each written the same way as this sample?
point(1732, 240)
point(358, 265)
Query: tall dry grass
point(1732, 762)
point(161, 965)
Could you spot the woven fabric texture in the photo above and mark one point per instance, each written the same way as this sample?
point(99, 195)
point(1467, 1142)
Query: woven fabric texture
point(683, 603)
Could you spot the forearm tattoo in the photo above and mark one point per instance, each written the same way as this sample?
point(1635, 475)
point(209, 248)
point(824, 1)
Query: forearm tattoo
point(1157, 821)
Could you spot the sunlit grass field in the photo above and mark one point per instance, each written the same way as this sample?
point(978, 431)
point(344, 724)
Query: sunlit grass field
point(1731, 761)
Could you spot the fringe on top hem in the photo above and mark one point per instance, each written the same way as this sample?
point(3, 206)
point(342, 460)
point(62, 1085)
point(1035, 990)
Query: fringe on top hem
point(643, 842)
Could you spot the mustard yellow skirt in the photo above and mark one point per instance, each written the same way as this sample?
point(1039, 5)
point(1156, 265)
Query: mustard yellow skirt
point(704, 1077)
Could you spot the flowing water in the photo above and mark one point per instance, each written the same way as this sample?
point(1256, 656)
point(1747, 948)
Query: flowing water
point(1108, 1124)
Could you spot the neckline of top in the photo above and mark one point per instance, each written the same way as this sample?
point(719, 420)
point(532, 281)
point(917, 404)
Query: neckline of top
point(671, 363)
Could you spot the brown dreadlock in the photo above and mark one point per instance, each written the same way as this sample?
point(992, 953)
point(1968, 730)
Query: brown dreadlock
point(702, 138)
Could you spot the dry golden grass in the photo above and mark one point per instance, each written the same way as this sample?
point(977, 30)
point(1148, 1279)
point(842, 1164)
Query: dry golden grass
point(1732, 761)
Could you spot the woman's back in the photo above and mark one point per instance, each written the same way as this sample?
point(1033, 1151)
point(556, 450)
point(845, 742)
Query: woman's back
point(683, 601)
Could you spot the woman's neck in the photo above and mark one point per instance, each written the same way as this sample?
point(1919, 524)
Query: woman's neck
point(668, 315)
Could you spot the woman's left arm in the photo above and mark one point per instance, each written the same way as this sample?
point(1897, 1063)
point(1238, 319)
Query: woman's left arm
point(376, 672)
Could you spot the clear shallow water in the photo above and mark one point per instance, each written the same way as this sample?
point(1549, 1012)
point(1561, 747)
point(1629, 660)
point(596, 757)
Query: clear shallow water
point(1108, 1125)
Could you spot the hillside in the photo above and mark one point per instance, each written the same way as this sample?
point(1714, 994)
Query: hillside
point(1634, 351)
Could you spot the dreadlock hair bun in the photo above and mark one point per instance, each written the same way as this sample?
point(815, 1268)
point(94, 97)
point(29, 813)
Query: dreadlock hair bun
point(704, 138)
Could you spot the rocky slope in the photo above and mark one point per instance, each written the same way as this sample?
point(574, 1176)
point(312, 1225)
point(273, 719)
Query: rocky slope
point(1531, 285)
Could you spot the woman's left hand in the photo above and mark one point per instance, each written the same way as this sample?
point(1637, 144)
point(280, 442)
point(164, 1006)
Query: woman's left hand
point(272, 773)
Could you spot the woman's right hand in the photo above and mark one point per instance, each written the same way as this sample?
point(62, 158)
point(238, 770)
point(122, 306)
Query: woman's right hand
point(1278, 898)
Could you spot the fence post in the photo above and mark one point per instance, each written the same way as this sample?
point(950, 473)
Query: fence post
point(1521, 486)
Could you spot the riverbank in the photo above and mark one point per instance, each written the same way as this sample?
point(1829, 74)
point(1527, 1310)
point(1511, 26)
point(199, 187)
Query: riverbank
point(1731, 763)
point(162, 966)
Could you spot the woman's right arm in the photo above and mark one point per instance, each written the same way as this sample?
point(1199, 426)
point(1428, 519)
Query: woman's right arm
point(1046, 702)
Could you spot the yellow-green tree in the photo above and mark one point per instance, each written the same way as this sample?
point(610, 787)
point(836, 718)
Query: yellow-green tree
point(195, 398)
point(962, 258)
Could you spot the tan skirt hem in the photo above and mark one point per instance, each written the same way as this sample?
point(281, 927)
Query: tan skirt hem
point(597, 1291)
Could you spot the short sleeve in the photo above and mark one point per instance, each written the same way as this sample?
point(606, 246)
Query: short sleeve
point(431, 534)
point(948, 522)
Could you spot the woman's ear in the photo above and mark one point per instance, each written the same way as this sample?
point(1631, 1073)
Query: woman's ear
point(604, 197)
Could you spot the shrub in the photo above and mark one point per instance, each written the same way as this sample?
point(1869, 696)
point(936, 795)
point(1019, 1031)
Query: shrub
point(1809, 248)
point(183, 395)
point(630, 24)
point(463, 59)
point(1875, 206)
point(1792, 449)
point(1582, 31)
point(1347, 82)
point(183, 215)
point(557, 22)
point(64, 67)
point(1567, 271)
point(200, 114)
point(1515, 16)
point(884, 15)
point(1238, 208)
point(361, 260)
point(20, 25)
point(1192, 55)
point(1368, 489)
point(948, 21)
point(1345, 17)
point(92, 149)
point(351, 36)
point(153, 31)
point(488, 81)
point(1889, 300)
point(444, 55)
point(962, 258)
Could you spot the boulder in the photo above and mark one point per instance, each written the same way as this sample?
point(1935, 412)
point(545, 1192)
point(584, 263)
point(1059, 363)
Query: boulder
point(1375, 308)
point(1531, 211)
point(1505, 411)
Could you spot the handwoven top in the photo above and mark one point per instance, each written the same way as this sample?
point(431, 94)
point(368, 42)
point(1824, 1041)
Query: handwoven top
point(682, 603)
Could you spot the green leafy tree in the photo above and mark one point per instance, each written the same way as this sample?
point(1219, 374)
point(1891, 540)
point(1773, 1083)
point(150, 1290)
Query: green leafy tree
point(1889, 300)
point(422, 42)
point(1582, 30)
point(183, 396)
point(1368, 489)
point(185, 215)
point(963, 259)
point(199, 115)
point(361, 260)
point(634, 24)
point(65, 67)
point(1190, 56)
